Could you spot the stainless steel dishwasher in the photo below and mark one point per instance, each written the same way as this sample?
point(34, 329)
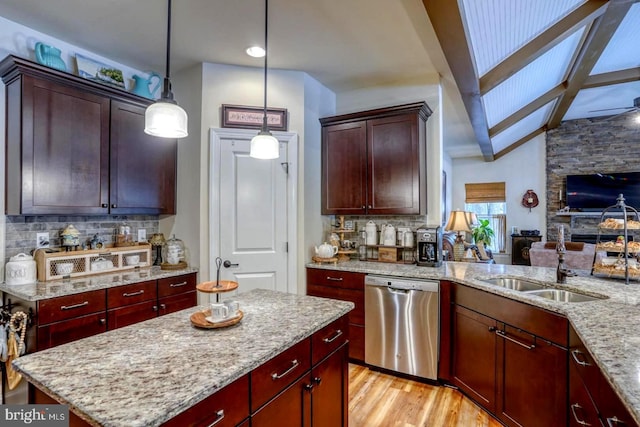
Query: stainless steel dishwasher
point(401, 325)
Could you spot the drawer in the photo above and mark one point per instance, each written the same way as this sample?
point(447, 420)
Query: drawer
point(273, 376)
point(328, 339)
point(584, 364)
point(335, 278)
point(177, 302)
point(176, 285)
point(537, 321)
point(59, 333)
point(582, 411)
point(356, 315)
point(225, 408)
point(131, 294)
point(69, 306)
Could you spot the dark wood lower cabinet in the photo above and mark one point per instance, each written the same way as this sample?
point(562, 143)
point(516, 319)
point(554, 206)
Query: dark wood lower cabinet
point(582, 411)
point(474, 358)
point(74, 329)
point(329, 396)
point(130, 314)
point(291, 408)
point(531, 372)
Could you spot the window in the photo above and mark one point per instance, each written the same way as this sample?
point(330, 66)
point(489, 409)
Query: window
point(487, 201)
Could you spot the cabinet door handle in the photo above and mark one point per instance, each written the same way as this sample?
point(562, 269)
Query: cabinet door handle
point(575, 353)
point(71, 307)
point(219, 418)
point(317, 380)
point(133, 294)
point(615, 422)
point(294, 365)
point(177, 285)
point(114, 205)
point(363, 207)
point(507, 337)
point(102, 321)
point(575, 416)
point(492, 328)
point(333, 338)
point(105, 205)
point(335, 279)
point(369, 207)
point(163, 306)
point(155, 308)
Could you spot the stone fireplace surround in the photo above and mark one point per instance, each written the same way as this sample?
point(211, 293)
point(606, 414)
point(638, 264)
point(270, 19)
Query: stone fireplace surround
point(607, 144)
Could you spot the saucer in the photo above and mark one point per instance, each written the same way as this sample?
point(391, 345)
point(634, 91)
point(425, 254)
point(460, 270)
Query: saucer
point(199, 320)
point(226, 319)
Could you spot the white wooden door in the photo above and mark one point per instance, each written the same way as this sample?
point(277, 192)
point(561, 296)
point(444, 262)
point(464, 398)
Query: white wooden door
point(252, 229)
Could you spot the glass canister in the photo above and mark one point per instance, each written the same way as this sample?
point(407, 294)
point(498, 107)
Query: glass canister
point(173, 251)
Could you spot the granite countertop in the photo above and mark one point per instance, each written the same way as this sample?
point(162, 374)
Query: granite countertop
point(145, 374)
point(610, 328)
point(57, 288)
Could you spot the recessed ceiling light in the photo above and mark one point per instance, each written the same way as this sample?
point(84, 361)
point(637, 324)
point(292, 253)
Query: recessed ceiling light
point(255, 51)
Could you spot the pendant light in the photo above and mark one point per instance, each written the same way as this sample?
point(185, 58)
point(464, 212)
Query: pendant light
point(165, 118)
point(264, 145)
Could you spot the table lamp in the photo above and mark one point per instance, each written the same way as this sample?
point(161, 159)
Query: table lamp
point(459, 221)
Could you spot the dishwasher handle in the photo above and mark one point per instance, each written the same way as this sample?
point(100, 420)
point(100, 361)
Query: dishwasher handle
point(398, 290)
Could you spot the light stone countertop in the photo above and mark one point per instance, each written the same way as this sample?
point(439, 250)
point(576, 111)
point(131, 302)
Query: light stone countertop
point(145, 374)
point(610, 328)
point(57, 288)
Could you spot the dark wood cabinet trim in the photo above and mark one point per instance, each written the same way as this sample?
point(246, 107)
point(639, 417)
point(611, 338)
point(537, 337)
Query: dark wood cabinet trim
point(421, 108)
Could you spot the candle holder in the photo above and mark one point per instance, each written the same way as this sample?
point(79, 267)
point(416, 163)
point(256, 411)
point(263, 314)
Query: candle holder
point(157, 242)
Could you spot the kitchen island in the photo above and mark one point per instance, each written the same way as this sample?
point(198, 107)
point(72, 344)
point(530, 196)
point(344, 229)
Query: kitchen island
point(148, 373)
point(609, 327)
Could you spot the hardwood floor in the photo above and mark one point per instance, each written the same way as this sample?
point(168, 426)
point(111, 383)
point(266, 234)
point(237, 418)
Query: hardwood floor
point(380, 400)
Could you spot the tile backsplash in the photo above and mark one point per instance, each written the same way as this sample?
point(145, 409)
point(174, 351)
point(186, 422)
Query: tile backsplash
point(21, 231)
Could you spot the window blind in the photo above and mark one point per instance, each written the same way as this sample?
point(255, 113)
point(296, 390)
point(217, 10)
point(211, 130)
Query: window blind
point(485, 192)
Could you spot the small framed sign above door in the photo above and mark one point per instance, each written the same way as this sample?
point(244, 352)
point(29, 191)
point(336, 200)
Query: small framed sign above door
point(238, 116)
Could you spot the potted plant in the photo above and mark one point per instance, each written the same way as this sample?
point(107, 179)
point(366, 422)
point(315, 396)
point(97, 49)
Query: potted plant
point(482, 234)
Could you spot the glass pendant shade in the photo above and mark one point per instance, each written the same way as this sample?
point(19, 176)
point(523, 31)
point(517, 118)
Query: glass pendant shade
point(264, 146)
point(166, 120)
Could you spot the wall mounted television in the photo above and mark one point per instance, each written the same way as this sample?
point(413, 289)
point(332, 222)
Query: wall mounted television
point(595, 192)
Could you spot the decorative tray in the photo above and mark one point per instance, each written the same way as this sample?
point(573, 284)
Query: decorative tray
point(320, 259)
point(199, 320)
point(217, 286)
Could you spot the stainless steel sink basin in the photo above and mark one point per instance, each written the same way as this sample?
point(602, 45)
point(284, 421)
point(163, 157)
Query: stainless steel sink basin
point(515, 284)
point(563, 296)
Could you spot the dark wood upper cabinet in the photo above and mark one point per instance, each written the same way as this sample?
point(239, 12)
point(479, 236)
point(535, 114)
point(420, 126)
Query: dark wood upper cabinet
point(74, 146)
point(374, 162)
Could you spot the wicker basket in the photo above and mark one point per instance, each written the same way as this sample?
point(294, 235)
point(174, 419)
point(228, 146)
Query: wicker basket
point(88, 262)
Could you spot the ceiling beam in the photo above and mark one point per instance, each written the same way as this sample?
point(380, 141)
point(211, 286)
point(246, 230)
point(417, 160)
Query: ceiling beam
point(519, 142)
point(528, 109)
point(447, 23)
point(596, 41)
point(612, 78)
point(542, 43)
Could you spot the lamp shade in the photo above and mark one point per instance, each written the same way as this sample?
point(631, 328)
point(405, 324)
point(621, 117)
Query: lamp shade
point(166, 120)
point(472, 218)
point(458, 221)
point(265, 146)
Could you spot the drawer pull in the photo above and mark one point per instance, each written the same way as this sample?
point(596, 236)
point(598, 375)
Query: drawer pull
point(507, 337)
point(294, 365)
point(177, 285)
point(615, 422)
point(219, 418)
point(102, 321)
point(71, 307)
point(575, 416)
point(575, 353)
point(163, 306)
point(133, 294)
point(335, 279)
point(333, 338)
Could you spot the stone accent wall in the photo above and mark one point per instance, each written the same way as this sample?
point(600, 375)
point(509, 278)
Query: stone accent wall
point(584, 146)
point(21, 231)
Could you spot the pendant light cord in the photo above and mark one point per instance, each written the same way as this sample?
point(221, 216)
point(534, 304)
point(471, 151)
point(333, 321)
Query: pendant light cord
point(168, 39)
point(266, 23)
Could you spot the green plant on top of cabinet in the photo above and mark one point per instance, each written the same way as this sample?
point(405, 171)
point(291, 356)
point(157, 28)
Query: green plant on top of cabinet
point(374, 162)
point(78, 147)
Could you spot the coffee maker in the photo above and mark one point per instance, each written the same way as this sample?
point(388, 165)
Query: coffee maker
point(429, 246)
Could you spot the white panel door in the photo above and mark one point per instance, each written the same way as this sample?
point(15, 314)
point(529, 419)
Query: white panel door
point(253, 217)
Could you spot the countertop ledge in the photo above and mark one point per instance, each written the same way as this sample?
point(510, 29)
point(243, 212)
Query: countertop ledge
point(163, 366)
point(610, 328)
point(57, 288)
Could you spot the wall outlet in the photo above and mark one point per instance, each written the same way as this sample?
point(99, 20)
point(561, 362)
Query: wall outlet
point(42, 240)
point(142, 235)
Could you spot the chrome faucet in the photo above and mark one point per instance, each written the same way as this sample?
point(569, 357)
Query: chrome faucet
point(562, 272)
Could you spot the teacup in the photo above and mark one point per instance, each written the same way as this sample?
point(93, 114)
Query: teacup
point(219, 312)
point(233, 306)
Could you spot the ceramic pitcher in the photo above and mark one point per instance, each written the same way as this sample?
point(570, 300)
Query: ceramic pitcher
point(49, 56)
point(142, 85)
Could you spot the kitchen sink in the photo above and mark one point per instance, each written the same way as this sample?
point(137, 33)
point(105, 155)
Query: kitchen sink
point(563, 296)
point(515, 284)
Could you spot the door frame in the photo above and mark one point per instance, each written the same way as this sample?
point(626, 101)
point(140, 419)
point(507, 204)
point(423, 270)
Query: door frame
point(290, 139)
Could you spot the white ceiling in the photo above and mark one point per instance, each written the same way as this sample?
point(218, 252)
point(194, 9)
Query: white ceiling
point(350, 44)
